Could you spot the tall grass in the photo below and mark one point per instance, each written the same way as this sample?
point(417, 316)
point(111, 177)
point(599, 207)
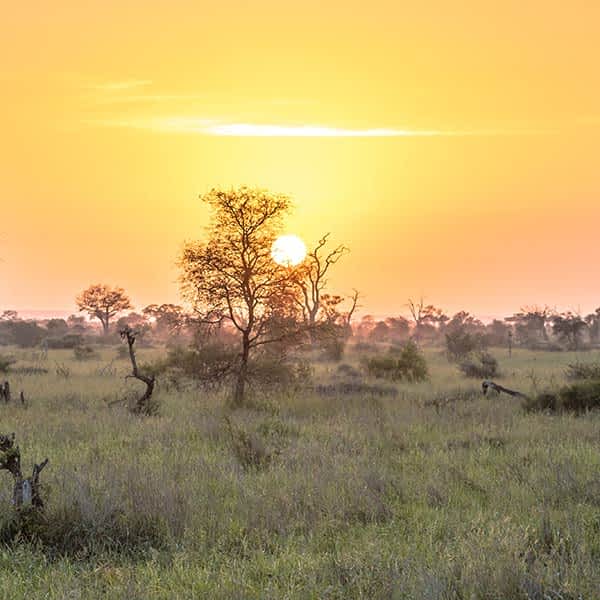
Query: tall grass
point(434, 492)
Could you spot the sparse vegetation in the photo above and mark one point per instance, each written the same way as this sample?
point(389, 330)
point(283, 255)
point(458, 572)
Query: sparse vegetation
point(262, 505)
point(481, 365)
point(405, 363)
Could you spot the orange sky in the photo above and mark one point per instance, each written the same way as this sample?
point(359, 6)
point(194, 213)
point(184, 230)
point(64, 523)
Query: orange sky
point(454, 147)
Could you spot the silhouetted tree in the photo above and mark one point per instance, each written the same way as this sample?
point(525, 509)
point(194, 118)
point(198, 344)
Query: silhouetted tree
point(569, 327)
point(593, 323)
point(313, 279)
point(427, 318)
point(530, 324)
point(232, 275)
point(103, 302)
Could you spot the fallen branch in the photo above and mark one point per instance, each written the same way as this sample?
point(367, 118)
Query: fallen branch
point(143, 405)
point(490, 385)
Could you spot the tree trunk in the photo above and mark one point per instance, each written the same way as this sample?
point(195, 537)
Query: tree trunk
point(242, 375)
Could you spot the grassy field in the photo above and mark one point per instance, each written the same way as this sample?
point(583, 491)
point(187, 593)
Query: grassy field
point(435, 493)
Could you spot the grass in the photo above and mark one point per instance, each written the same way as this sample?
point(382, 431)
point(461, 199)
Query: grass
point(435, 493)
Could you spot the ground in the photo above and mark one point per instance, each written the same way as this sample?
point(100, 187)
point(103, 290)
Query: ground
point(437, 492)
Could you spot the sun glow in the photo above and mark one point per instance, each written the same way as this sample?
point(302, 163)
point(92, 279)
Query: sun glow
point(288, 250)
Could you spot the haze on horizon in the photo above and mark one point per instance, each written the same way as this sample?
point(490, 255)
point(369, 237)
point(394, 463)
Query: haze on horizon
point(452, 147)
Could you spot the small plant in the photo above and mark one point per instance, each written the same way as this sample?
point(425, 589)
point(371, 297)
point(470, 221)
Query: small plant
point(63, 371)
point(479, 365)
point(84, 353)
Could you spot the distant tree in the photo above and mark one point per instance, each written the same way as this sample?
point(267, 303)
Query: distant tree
point(27, 334)
point(380, 333)
point(498, 332)
point(77, 324)
point(593, 323)
point(135, 322)
point(168, 318)
point(232, 276)
point(9, 315)
point(57, 327)
point(398, 328)
point(103, 302)
point(569, 328)
point(531, 324)
point(427, 318)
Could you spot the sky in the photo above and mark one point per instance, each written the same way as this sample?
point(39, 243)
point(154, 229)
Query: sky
point(452, 146)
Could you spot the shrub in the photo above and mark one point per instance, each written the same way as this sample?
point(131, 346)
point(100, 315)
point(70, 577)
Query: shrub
point(581, 370)
point(268, 372)
point(84, 353)
point(460, 344)
point(68, 341)
point(479, 365)
point(5, 362)
point(208, 364)
point(404, 364)
point(577, 397)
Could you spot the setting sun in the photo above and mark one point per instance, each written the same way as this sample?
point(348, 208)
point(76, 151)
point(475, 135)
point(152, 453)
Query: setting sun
point(288, 250)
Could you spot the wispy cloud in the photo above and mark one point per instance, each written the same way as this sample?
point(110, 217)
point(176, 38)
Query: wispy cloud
point(119, 86)
point(210, 127)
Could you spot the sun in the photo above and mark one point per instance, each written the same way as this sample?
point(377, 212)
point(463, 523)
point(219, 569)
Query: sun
point(288, 250)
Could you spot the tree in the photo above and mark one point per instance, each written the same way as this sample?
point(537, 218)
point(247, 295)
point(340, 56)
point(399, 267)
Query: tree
point(103, 302)
point(313, 280)
point(231, 276)
point(593, 322)
point(168, 318)
point(427, 318)
point(569, 327)
point(530, 324)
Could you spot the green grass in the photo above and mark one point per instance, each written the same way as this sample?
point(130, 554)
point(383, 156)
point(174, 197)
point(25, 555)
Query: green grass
point(361, 497)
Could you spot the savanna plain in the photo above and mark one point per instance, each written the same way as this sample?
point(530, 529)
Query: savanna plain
point(331, 486)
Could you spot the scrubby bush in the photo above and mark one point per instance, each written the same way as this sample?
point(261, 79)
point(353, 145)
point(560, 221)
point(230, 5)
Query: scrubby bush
point(460, 344)
point(577, 397)
point(270, 372)
point(5, 362)
point(68, 341)
point(84, 353)
point(582, 370)
point(480, 365)
point(406, 363)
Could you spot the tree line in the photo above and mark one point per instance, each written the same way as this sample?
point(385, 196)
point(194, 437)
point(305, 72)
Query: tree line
point(236, 294)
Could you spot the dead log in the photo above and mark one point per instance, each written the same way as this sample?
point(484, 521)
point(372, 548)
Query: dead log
point(490, 385)
point(143, 404)
point(26, 490)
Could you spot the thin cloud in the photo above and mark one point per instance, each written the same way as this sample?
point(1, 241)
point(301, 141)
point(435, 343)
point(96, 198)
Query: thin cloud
point(119, 86)
point(208, 127)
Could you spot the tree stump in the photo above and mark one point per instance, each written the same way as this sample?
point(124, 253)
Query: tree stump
point(26, 490)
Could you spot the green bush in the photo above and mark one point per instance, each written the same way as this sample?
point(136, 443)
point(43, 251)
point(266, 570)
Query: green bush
point(582, 370)
point(479, 365)
point(577, 398)
point(5, 362)
point(406, 363)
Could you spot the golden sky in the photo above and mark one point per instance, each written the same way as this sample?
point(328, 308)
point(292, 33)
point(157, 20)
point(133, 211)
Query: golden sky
point(453, 146)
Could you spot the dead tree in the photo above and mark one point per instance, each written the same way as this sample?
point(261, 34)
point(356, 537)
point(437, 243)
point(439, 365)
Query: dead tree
point(490, 385)
point(26, 491)
point(143, 404)
point(5, 391)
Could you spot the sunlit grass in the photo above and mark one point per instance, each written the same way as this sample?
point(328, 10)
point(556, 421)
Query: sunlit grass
point(363, 497)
